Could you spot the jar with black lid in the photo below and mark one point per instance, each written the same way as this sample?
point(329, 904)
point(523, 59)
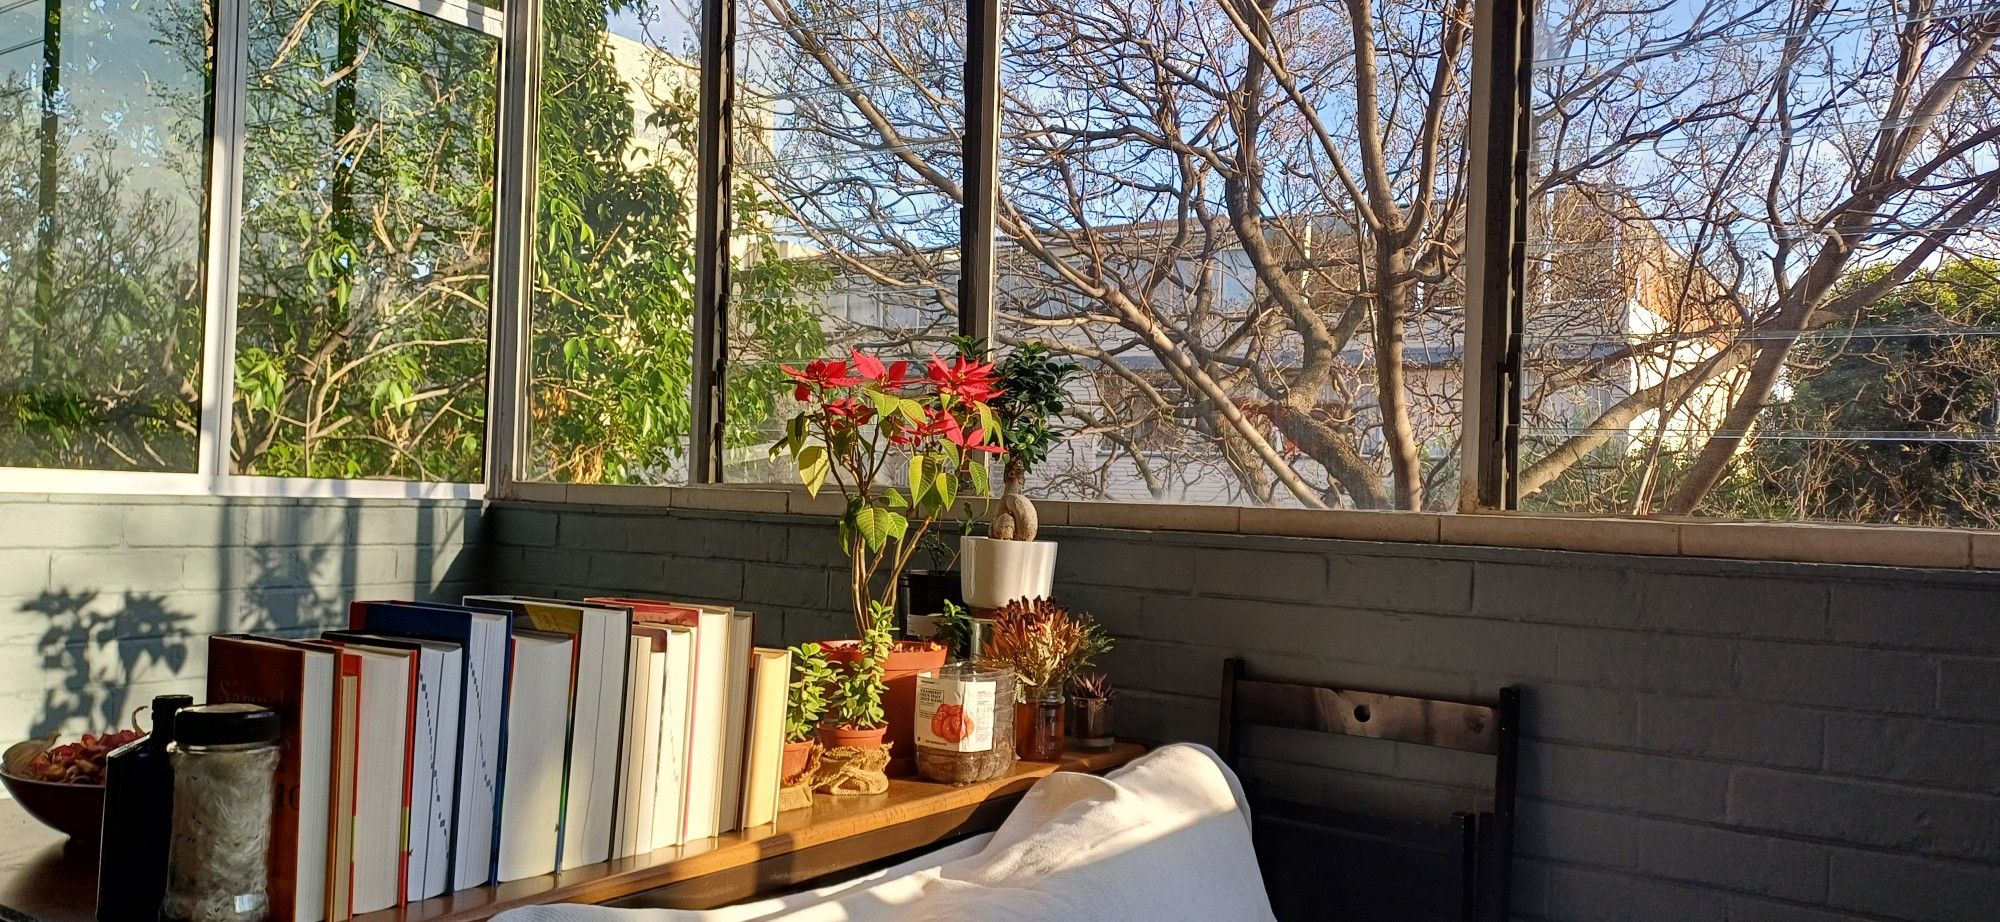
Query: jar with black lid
point(225, 759)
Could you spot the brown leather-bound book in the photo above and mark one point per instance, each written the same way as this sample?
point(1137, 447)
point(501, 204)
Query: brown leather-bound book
point(298, 682)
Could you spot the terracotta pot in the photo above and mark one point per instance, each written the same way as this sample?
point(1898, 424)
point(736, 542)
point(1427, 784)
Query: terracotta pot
point(899, 703)
point(997, 572)
point(834, 737)
point(794, 761)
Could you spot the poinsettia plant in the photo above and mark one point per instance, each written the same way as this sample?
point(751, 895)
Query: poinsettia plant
point(863, 420)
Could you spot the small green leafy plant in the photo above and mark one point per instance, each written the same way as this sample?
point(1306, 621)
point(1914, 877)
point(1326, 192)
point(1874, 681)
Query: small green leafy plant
point(954, 629)
point(1031, 393)
point(806, 702)
point(857, 687)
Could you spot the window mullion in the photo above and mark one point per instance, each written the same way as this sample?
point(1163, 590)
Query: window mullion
point(713, 184)
point(225, 215)
point(507, 408)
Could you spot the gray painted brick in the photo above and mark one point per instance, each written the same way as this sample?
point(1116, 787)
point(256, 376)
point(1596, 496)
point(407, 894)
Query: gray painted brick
point(1843, 677)
point(1557, 594)
point(516, 525)
point(1530, 888)
point(792, 587)
point(620, 572)
point(1261, 575)
point(1622, 780)
point(1577, 836)
point(1969, 688)
point(1116, 610)
point(1175, 668)
point(592, 532)
point(24, 572)
point(1737, 731)
point(1157, 718)
point(1243, 626)
point(1738, 606)
point(1934, 753)
point(1399, 584)
point(1156, 567)
point(1498, 648)
point(1647, 660)
point(1580, 714)
point(138, 571)
point(1734, 860)
point(54, 525)
point(1905, 887)
point(715, 580)
point(1756, 909)
point(296, 524)
point(176, 526)
point(1914, 615)
point(1583, 895)
point(1886, 816)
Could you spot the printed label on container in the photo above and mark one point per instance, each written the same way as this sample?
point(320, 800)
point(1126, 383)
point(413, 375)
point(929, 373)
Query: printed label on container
point(954, 714)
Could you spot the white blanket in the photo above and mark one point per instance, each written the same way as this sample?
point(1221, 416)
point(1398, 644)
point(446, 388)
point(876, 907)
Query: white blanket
point(1166, 837)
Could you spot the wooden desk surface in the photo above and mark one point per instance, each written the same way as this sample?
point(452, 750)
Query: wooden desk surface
point(43, 881)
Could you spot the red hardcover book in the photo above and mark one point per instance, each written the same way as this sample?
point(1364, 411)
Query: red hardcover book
point(300, 684)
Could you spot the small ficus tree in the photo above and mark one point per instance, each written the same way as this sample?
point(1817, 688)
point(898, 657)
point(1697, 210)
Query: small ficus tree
point(864, 421)
point(1032, 392)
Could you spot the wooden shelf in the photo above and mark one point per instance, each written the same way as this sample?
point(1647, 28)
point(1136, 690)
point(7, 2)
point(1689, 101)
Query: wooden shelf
point(43, 882)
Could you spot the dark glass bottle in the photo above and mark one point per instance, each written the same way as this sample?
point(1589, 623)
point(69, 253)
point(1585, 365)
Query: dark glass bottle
point(138, 821)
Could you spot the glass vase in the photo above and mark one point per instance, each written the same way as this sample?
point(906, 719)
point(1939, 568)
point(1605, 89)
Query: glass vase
point(1090, 724)
point(1038, 728)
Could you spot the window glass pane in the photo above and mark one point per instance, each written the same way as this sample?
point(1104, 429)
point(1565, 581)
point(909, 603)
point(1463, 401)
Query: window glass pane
point(367, 242)
point(849, 125)
point(1762, 277)
point(102, 216)
point(1253, 247)
point(613, 307)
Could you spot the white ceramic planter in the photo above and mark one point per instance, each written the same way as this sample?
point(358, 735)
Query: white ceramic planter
point(993, 573)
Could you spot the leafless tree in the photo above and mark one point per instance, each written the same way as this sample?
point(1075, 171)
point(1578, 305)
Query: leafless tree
point(1246, 217)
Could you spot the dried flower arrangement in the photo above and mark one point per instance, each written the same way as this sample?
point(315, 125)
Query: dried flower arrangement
point(1043, 644)
point(1091, 686)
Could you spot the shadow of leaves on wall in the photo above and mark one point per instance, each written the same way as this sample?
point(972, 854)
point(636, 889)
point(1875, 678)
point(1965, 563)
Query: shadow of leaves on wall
point(94, 652)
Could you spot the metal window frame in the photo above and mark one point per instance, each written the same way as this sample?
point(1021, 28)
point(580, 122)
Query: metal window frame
point(1496, 225)
point(1500, 130)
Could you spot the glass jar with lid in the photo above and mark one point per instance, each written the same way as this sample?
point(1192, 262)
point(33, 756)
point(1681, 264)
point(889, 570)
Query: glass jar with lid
point(225, 759)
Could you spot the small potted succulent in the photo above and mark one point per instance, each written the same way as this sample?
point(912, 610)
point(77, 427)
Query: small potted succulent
point(1045, 646)
point(805, 707)
point(862, 418)
point(1008, 563)
point(1090, 712)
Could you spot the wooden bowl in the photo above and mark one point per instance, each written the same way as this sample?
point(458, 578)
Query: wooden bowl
point(76, 810)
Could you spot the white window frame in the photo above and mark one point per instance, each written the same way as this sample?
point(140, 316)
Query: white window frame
point(212, 476)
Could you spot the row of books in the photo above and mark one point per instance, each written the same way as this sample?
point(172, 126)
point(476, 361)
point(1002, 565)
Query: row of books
point(433, 747)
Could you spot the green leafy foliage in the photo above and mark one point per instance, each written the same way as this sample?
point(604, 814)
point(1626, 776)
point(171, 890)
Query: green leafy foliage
point(1033, 392)
point(612, 346)
point(954, 629)
point(858, 687)
point(1921, 362)
point(806, 696)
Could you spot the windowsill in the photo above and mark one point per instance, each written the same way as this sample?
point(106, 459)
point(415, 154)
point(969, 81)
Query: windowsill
point(1940, 548)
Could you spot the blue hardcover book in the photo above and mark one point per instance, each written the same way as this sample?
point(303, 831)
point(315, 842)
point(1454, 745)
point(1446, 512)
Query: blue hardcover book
point(485, 637)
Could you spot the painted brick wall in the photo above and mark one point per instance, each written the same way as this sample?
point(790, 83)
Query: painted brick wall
point(1707, 739)
point(106, 601)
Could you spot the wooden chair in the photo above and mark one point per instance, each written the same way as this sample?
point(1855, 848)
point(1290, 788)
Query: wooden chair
point(1332, 863)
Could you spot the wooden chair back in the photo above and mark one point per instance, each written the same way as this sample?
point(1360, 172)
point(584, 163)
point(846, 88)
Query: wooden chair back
point(1326, 862)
